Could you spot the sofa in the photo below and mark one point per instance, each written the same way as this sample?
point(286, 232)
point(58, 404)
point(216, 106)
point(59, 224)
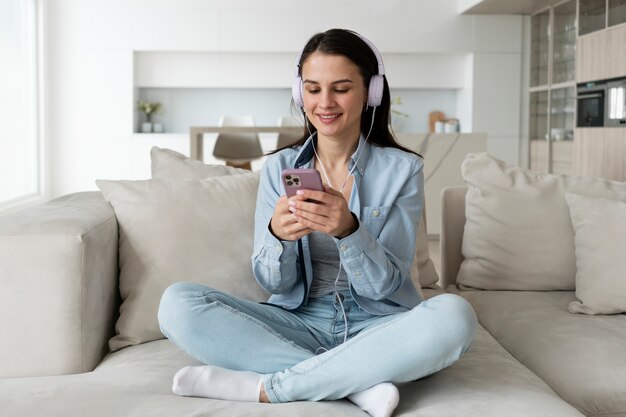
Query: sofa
point(82, 276)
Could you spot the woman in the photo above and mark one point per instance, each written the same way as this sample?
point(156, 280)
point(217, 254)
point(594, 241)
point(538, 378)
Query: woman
point(344, 319)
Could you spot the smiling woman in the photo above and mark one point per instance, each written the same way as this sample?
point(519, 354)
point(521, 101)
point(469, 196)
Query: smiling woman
point(20, 147)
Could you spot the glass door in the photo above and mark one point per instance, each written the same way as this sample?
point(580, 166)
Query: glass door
point(562, 112)
point(538, 131)
point(564, 43)
point(553, 89)
point(540, 48)
point(591, 15)
point(617, 12)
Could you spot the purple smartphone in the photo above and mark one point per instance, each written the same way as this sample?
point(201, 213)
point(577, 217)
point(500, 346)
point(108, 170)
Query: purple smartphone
point(296, 179)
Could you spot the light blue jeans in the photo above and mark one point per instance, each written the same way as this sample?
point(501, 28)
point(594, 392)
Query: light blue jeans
point(301, 353)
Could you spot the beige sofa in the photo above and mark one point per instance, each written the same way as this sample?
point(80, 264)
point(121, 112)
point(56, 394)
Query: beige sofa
point(80, 277)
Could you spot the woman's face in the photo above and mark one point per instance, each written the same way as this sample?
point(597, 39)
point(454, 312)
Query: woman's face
point(334, 95)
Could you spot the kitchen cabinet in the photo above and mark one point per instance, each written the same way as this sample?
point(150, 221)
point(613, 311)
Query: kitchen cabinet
point(617, 12)
point(591, 57)
point(600, 153)
point(615, 153)
point(564, 43)
point(591, 16)
point(616, 56)
point(552, 89)
point(594, 15)
point(601, 55)
point(540, 48)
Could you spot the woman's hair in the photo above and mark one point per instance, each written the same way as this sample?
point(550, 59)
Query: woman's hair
point(349, 44)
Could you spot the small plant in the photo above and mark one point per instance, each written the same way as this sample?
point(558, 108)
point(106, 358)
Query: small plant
point(149, 109)
point(398, 101)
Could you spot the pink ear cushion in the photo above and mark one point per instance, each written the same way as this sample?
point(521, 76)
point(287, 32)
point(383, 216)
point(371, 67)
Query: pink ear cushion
point(375, 93)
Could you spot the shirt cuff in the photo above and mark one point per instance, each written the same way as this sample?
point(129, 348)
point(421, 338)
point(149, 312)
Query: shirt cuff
point(276, 247)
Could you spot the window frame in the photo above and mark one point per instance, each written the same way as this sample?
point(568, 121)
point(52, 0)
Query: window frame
point(37, 99)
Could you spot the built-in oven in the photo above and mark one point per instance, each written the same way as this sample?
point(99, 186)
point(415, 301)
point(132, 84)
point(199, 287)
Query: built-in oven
point(615, 113)
point(590, 104)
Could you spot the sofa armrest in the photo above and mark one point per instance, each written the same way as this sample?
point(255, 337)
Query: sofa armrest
point(452, 228)
point(58, 300)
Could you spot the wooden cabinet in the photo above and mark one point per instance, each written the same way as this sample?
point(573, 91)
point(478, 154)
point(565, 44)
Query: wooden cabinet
point(615, 153)
point(600, 152)
point(592, 52)
point(601, 55)
point(616, 54)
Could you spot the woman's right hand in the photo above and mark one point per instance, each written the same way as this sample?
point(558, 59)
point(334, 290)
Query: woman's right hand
point(284, 224)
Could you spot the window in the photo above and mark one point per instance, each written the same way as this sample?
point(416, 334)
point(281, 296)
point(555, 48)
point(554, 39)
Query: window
point(20, 145)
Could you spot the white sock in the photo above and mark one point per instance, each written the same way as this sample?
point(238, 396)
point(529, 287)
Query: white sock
point(217, 383)
point(379, 400)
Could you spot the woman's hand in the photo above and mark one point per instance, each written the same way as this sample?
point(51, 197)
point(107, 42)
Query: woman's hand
point(325, 211)
point(284, 224)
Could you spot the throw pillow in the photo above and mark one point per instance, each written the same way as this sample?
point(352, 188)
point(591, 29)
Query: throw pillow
point(518, 232)
point(180, 230)
point(600, 227)
point(167, 163)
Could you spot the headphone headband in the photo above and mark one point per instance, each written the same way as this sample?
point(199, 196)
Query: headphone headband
point(376, 85)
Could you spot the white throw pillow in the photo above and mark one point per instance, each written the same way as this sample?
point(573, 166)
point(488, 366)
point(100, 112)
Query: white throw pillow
point(600, 226)
point(198, 230)
point(518, 233)
point(167, 163)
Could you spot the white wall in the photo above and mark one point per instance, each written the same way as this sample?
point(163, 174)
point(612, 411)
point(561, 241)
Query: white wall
point(91, 75)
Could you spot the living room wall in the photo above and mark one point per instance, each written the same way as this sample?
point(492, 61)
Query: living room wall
point(89, 73)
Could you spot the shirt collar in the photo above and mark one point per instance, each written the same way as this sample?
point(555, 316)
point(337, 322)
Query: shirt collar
point(360, 156)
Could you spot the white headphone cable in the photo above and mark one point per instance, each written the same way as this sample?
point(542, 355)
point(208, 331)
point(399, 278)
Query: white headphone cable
point(360, 151)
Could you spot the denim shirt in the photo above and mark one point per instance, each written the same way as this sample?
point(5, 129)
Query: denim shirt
point(387, 198)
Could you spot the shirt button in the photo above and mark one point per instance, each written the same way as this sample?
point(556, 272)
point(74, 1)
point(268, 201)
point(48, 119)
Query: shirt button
point(343, 248)
point(357, 273)
point(375, 213)
point(278, 247)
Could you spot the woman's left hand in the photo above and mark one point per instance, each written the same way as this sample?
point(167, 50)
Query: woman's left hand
point(328, 212)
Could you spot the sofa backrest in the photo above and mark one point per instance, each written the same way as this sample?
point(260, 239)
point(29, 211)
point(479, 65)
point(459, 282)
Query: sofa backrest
point(451, 237)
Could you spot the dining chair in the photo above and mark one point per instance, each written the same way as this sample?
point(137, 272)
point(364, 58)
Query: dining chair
point(238, 149)
point(287, 139)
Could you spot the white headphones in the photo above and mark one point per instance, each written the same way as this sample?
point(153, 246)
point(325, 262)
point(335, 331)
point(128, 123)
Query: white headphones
point(374, 92)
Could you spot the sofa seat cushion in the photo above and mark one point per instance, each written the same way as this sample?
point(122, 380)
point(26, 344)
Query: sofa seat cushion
point(136, 381)
point(582, 358)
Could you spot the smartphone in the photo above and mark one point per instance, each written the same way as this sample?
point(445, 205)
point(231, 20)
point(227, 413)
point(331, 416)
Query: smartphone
point(305, 178)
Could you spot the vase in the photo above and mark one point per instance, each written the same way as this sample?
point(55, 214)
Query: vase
point(146, 127)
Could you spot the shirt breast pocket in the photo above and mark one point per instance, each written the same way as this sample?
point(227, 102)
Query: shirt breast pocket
point(373, 218)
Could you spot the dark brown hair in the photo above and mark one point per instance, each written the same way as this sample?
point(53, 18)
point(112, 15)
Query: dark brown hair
point(349, 44)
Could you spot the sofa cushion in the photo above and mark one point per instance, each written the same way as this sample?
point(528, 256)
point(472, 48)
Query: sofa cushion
point(180, 230)
point(600, 226)
point(167, 163)
point(518, 233)
point(136, 381)
point(582, 358)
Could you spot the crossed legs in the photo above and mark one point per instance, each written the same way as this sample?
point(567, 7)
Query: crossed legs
point(276, 348)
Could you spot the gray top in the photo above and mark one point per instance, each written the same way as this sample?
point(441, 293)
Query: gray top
point(325, 261)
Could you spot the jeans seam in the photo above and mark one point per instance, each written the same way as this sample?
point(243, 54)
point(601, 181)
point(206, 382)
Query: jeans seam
point(257, 322)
